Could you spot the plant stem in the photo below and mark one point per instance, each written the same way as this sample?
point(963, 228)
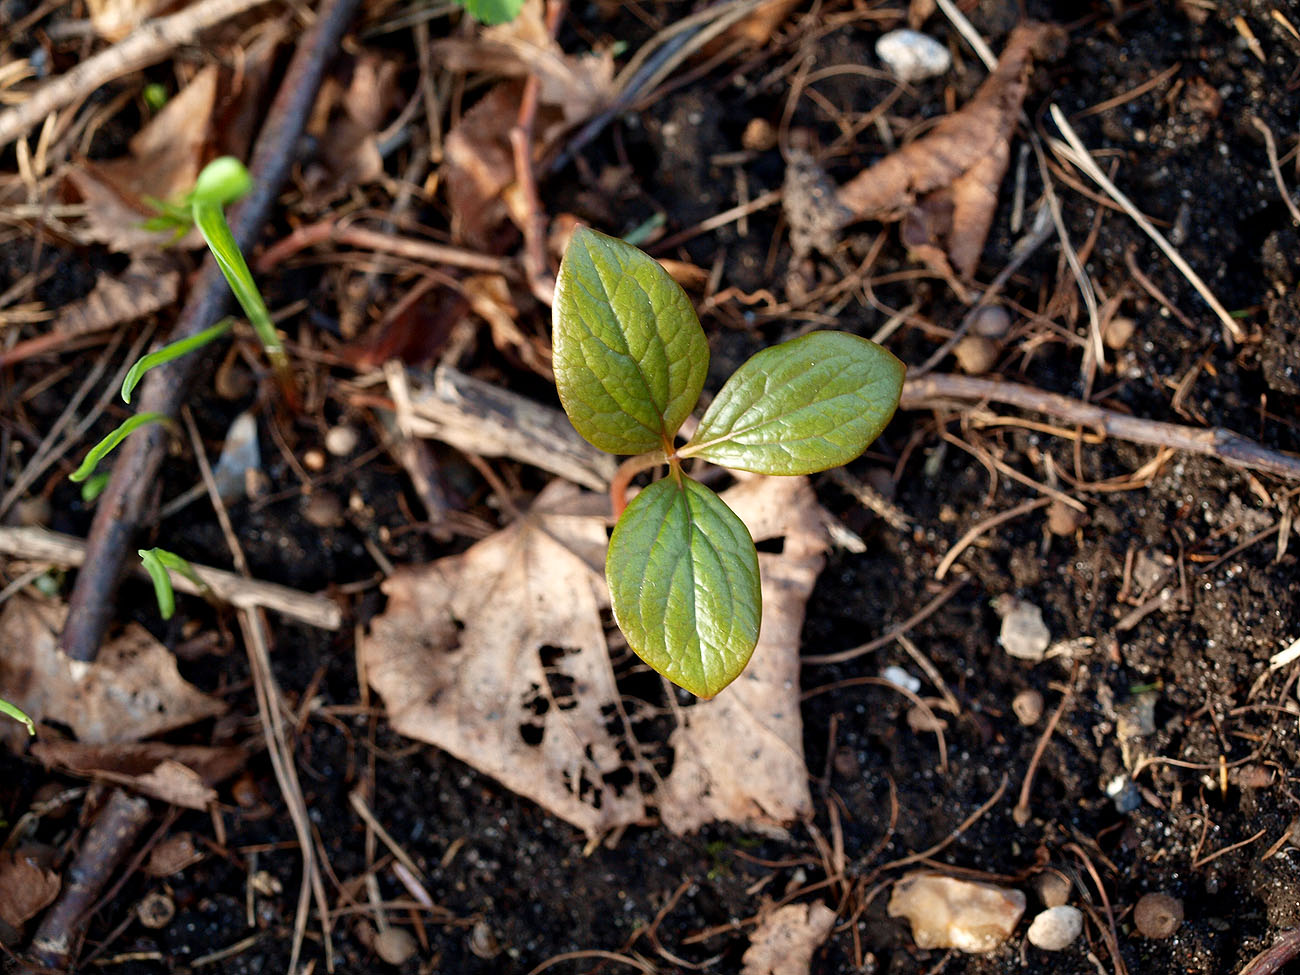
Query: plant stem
point(627, 470)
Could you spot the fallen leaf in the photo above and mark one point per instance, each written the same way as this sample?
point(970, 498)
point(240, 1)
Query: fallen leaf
point(183, 775)
point(163, 163)
point(149, 284)
point(785, 939)
point(462, 653)
point(26, 888)
point(471, 649)
point(739, 757)
point(956, 167)
point(133, 690)
point(346, 123)
point(478, 166)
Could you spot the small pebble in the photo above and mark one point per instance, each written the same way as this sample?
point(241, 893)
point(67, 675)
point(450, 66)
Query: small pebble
point(901, 678)
point(314, 460)
point(1056, 928)
point(156, 910)
point(1028, 707)
point(1158, 915)
point(922, 721)
point(323, 509)
point(1062, 519)
point(341, 440)
point(976, 354)
point(1053, 888)
point(759, 135)
point(949, 913)
point(394, 946)
point(1117, 332)
point(1024, 634)
point(912, 56)
point(991, 321)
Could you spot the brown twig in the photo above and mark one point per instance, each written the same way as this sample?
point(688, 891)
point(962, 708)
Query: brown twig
point(123, 506)
point(1020, 814)
point(1271, 959)
point(1223, 445)
point(107, 843)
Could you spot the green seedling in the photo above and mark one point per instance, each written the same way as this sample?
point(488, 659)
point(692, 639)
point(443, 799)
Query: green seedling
point(630, 359)
point(9, 710)
point(492, 11)
point(157, 562)
point(169, 352)
point(109, 443)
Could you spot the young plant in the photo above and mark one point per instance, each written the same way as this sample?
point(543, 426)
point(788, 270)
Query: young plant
point(630, 360)
point(9, 710)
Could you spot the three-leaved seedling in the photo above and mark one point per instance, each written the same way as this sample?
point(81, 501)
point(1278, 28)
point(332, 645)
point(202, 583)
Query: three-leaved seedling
point(630, 359)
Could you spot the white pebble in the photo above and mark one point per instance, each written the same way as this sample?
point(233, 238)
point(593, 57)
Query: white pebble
point(901, 678)
point(949, 913)
point(913, 56)
point(1056, 928)
point(341, 440)
point(1024, 634)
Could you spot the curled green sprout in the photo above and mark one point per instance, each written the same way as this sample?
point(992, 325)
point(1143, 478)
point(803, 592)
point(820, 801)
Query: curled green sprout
point(157, 562)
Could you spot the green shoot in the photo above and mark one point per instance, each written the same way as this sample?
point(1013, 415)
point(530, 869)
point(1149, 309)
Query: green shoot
point(492, 11)
point(93, 486)
point(157, 562)
point(223, 180)
point(630, 360)
point(169, 352)
point(9, 710)
point(109, 443)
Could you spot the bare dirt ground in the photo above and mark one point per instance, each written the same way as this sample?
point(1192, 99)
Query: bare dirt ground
point(600, 822)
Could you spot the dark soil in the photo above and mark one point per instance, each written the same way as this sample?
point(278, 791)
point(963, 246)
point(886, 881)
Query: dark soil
point(517, 885)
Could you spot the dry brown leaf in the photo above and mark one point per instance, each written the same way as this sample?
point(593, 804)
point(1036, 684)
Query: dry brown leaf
point(114, 19)
point(961, 161)
point(164, 161)
point(148, 284)
point(461, 656)
point(461, 659)
point(26, 888)
point(785, 939)
point(739, 757)
point(183, 775)
point(346, 121)
point(133, 690)
point(479, 162)
point(489, 298)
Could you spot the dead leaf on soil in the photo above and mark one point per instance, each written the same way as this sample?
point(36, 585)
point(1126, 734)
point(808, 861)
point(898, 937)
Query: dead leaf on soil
point(478, 167)
point(945, 184)
point(183, 775)
point(26, 888)
point(163, 163)
point(739, 757)
point(785, 939)
point(149, 284)
point(498, 656)
point(133, 690)
point(346, 121)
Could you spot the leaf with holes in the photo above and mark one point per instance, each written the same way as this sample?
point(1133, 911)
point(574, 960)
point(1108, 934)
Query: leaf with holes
point(800, 407)
point(683, 583)
point(629, 353)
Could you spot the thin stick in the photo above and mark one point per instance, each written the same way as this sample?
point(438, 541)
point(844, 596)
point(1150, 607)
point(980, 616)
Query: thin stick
point(1271, 959)
point(1276, 168)
point(123, 507)
point(1223, 445)
point(147, 44)
point(1081, 158)
point(51, 548)
point(893, 633)
point(1020, 814)
point(975, 532)
point(951, 838)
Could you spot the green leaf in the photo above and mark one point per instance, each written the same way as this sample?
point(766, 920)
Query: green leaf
point(803, 406)
point(630, 356)
point(492, 11)
point(683, 583)
point(8, 709)
point(162, 582)
point(106, 446)
point(173, 350)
